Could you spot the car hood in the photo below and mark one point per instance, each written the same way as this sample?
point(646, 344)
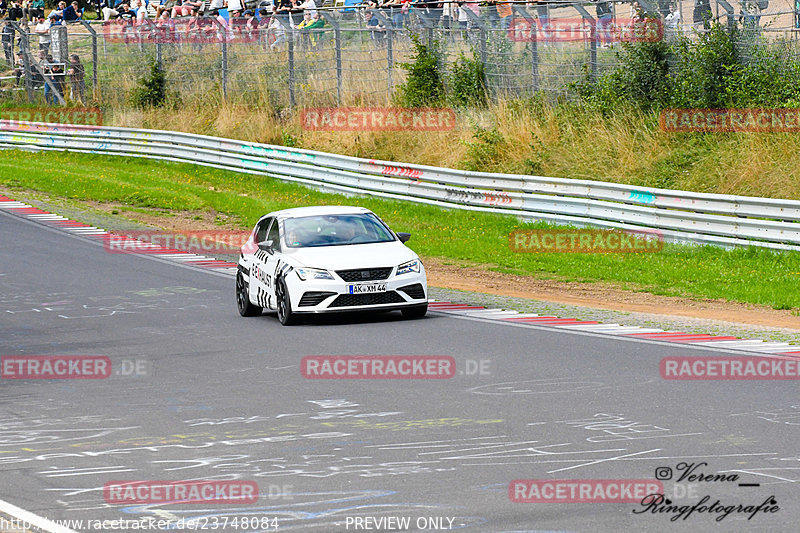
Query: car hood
point(382, 254)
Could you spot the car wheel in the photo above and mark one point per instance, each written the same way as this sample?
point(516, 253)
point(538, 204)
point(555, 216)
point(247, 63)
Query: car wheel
point(285, 314)
point(243, 300)
point(418, 311)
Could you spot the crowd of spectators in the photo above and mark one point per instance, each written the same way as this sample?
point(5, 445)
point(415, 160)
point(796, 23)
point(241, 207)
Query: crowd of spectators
point(60, 79)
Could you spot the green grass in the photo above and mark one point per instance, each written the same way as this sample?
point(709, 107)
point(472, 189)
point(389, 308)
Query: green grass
point(752, 275)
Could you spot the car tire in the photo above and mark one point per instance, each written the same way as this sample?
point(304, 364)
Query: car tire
point(243, 300)
point(418, 311)
point(284, 304)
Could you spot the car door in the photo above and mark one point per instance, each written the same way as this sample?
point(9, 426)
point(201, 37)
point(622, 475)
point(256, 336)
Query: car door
point(260, 283)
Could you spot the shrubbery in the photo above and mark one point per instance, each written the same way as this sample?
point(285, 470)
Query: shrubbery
point(724, 67)
point(427, 85)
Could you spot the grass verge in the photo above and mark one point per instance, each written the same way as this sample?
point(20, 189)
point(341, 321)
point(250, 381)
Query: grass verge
point(752, 275)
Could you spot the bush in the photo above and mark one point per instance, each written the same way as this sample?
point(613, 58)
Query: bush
point(468, 82)
point(424, 86)
point(152, 90)
point(724, 67)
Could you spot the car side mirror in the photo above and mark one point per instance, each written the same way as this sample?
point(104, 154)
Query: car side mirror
point(266, 246)
point(403, 236)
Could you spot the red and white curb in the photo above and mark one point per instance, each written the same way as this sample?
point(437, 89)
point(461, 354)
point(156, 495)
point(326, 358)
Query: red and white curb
point(78, 228)
point(783, 349)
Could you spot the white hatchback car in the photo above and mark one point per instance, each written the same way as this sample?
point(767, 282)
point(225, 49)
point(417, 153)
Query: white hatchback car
point(328, 259)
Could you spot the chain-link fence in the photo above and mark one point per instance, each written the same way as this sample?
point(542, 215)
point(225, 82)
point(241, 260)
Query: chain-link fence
point(354, 55)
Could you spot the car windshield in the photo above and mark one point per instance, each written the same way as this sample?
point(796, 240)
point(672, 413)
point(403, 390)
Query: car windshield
point(335, 230)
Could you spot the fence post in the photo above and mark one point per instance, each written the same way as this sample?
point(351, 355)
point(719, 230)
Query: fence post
point(729, 11)
point(533, 25)
point(592, 38)
point(477, 22)
point(387, 23)
point(93, 33)
point(26, 59)
point(337, 37)
point(223, 31)
point(290, 38)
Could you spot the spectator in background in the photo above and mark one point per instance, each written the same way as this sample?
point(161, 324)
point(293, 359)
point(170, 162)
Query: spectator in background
point(3, 7)
point(309, 6)
point(377, 31)
point(277, 29)
point(19, 70)
point(702, 15)
point(506, 12)
point(189, 8)
point(46, 65)
point(121, 10)
point(449, 15)
point(139, 9)
point(236, 6)
point(42, 29)
point(673, 20)
point(56, 16)
point(77, 82)
point(72, 12)
point(605, 18)
point(8, 43)
point(15, 11)
point(34, 10)
point(167, 6)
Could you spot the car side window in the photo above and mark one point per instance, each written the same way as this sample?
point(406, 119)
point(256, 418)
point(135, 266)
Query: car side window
point(274, 236)
point(261, 229)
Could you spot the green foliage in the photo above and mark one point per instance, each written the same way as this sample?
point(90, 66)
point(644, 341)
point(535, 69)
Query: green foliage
point(467, 86)
point(152, 90)
point(723, 67)
point(425, 84)
point(486, 151)
point(704, 69)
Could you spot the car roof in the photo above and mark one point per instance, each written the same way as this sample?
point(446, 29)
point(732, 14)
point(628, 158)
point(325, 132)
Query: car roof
point(296, 212)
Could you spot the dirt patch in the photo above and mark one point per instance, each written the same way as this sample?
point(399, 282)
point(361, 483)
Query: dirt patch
point(601, 296)
point(171, 220)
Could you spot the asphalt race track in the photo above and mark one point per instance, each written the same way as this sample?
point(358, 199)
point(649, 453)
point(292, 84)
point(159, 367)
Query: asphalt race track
point(199, 393)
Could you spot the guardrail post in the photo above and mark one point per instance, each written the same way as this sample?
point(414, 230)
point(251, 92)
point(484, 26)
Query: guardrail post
point(94, 55)
point(337, 37)
point(533, 24)
point(592, 37)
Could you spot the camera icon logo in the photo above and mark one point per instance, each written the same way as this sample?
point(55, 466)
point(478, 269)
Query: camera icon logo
point(663, 473)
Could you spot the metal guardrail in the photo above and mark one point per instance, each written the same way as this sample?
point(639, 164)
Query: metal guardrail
point(680, 216)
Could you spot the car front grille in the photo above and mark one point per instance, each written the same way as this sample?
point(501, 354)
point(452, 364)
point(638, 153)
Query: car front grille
point(313, 298)
point(375, 298)
point(365, 274)
point(414, 291)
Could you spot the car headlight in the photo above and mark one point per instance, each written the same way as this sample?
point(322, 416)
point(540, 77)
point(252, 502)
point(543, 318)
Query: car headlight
point(407, 268)
point(312, 273)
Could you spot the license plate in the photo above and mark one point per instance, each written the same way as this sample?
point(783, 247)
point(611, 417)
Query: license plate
point(366, 288)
